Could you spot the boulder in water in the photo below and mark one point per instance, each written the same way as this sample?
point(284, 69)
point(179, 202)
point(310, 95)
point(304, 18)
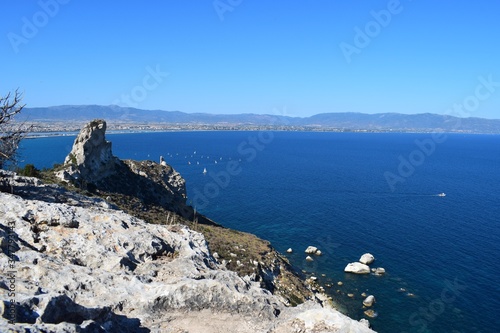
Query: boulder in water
point(367, 259)
point(357, 268)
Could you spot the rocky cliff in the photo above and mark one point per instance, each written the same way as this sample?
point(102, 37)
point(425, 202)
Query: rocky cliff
point(81, 266)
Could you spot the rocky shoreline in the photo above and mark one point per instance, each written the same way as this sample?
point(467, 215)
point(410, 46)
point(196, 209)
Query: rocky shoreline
point(85, 259)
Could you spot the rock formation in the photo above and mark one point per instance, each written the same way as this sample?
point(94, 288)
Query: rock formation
point(81, 266)
point(91, 165)
point(367, 259)
point(369, 300)
point(357, 268)
point(311, 249)
point(91, 157)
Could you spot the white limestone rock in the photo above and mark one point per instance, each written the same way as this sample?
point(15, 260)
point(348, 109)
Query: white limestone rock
point(90, 157)
point(368, 301)
point(365, 322)
point(357, 268)
point(367, 259)
point(311, 250)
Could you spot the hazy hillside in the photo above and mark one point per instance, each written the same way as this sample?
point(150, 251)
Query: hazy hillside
point(381, 121)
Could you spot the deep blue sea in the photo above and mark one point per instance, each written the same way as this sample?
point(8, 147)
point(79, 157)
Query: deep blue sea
point(331, 190)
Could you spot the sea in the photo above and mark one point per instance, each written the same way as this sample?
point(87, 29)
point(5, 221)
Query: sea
point(350, 194)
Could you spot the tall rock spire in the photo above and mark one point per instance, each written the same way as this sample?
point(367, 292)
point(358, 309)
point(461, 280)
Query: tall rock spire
point(91, 154)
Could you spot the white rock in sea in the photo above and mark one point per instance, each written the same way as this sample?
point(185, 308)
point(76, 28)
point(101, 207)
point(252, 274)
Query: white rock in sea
point(369, 301)
point(289, 250)
point(357, 268)
point(365, 322)
point(318, 252)
point(311, 250)
point(379, 271)
point(370, 313)
point(308, 258)
point(366, 259)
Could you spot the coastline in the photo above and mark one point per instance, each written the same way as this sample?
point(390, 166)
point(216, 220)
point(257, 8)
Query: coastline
point(45, 134)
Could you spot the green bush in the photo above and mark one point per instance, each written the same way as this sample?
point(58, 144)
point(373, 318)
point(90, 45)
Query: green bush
point(29, 170)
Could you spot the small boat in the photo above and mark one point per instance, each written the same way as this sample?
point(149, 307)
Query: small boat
point(204, 170)
point(441, 194)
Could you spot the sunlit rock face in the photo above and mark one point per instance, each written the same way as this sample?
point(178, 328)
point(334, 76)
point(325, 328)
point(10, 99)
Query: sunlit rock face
point(91, 155)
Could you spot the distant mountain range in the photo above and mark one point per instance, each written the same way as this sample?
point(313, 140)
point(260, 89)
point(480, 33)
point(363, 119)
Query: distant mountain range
point(343, 121)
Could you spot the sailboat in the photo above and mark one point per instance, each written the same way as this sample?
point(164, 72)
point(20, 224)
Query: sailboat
point(204, 170)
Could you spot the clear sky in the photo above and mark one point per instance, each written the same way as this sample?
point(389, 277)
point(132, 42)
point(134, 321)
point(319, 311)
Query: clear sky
point(259, 56)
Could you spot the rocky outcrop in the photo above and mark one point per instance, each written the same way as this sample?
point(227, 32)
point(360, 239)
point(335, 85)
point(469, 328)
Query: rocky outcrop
point(91, 157)
point(91, 166)
point(82, 266)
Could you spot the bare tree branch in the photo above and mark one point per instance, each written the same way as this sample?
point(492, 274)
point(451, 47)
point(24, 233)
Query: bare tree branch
point(10, 134)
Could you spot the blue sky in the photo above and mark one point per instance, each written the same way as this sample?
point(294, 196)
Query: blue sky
point(239, 56)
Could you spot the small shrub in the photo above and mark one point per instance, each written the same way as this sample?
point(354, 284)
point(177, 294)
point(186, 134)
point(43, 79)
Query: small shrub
point(72, 158)
point(29, 170)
